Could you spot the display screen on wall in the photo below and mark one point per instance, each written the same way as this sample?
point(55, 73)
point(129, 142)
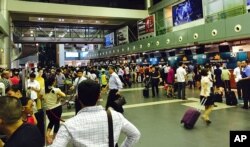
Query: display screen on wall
point(122, 36)
point(187, 11)
point(248, 2)
point(71, 54)
point(109, 40)
point(146, 27)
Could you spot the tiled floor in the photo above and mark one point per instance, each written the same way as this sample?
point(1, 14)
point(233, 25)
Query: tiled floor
point(158, 119)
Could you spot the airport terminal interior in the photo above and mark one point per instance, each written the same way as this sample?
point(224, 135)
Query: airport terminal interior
point(137, 37)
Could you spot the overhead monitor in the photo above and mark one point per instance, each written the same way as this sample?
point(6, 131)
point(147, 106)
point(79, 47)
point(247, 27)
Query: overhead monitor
point(200, 49)
point(163, 54)
point(172, 53)
point(224, 48)
point(187, 52)
point(187, 11)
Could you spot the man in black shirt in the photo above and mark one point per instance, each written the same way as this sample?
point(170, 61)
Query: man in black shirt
point(17, 133)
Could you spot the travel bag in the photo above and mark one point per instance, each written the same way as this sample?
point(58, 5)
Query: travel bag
point(191, 116)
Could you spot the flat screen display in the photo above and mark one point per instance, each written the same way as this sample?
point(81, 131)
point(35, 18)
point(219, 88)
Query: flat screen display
point(109, 40)
point(224, 48)
point(248, 2)
point(187, 11)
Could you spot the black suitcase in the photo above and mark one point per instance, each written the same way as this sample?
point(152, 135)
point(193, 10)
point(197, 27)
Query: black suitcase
point(217, 97)
point(231, 98)
point(146, 92)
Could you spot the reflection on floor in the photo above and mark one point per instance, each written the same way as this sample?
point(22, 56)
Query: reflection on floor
point(158, 119)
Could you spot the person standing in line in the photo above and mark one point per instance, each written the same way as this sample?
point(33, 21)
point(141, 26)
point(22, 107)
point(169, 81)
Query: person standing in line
point(181, 74)
point(226, 78)
point(89, 128)
point(246, 71)
point(205, 96)
point(217, 73)
point(155, 78)
point(237, 77)
point(77, 81)
point(244, 84)
point(114, 86)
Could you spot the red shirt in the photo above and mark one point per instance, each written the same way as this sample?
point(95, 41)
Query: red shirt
point(15, 80)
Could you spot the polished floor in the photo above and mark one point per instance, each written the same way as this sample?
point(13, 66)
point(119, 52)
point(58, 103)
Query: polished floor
point(158, 120)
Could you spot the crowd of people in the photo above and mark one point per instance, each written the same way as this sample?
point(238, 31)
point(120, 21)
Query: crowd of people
point(46, 89)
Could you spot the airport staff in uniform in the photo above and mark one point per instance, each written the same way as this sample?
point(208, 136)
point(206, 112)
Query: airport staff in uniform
point(114, 86)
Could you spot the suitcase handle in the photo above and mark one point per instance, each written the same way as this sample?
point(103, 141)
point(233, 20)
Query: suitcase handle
point(203, 101)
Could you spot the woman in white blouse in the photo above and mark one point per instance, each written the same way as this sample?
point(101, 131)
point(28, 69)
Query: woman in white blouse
point(205, 93)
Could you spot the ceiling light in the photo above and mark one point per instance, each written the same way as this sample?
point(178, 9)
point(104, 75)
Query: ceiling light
point(31, 31)
point(61, 19)
point(40, 19)
point(31, 35)
point(97, 21)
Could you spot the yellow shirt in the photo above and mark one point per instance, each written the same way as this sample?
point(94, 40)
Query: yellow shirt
point(42, 91)
point(104, 79)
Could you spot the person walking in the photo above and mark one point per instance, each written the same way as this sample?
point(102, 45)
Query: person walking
point(205, 96)
point(77, 81)
point(54, 107)
point(114, 86)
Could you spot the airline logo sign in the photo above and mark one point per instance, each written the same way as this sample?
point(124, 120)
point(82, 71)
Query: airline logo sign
point(146, 27)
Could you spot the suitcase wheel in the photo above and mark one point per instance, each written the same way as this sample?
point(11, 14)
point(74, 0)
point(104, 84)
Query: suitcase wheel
point(188, 126)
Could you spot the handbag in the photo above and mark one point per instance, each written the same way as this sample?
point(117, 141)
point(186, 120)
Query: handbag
point(120, 101)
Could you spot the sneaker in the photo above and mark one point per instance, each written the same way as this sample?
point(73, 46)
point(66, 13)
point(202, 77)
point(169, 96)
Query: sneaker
point(208, 122)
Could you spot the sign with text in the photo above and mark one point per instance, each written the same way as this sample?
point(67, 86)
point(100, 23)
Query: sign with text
point(122, 36)
point(146, 27)
point(239, 138)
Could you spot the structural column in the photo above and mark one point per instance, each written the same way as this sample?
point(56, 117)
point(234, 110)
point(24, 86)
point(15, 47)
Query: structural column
point(148, 3)
point(60, 54)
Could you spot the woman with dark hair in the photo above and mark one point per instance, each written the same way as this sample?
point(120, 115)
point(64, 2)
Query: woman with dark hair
point(54, 107)
point(205, 96)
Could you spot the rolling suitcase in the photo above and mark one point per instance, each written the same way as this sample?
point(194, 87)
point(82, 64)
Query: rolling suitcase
point(191, 116)
point(146, 92)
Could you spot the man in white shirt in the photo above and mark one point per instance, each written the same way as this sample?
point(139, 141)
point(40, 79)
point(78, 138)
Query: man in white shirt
point(114, 86)
point(237, 76)
point(77, 81)
point(181, 80)
point(89, 127)
point(33, 87)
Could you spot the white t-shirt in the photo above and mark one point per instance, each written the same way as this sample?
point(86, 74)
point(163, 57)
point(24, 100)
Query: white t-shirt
point(51, 98)
point(120, 72)
point(127, 70)
point(35, 84)
point(237, 74)
point(180, 73)
point(205, 86)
